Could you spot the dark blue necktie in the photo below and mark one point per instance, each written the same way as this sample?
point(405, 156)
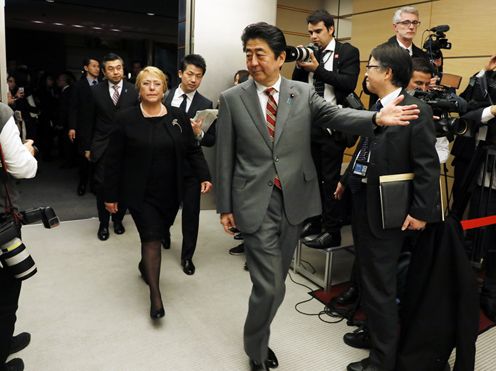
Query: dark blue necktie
point(183, 104)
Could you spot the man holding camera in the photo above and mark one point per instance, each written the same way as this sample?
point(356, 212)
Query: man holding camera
point(333, 71)
point(266, 180)
point(20, 165)
point(388, 151)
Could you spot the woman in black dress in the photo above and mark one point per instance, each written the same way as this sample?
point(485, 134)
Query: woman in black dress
point(149, 148)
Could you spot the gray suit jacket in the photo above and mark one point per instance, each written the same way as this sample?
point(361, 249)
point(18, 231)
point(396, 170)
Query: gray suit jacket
point(247, 160)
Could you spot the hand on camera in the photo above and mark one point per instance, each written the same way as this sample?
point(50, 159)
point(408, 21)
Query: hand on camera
point(311, 65)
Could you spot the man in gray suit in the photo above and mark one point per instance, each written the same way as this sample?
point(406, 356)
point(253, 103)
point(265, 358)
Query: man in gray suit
point(266, 179)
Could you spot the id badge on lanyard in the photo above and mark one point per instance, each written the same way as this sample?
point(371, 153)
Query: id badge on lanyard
point(360, 166)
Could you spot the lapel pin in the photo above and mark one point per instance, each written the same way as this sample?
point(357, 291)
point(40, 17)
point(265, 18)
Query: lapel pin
point(174, 123)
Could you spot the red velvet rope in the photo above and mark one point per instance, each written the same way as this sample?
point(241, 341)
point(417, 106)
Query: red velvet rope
point(478, 222)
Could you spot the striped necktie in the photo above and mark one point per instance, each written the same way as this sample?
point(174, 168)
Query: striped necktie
point(115, 95)
point(270, 121)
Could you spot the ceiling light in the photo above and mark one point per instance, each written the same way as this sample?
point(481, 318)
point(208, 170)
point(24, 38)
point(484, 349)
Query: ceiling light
point(50, 1)
point(77, 26)
point(97, 28)
point(57, 24)
point(38, 22)
point(150, 13)
point(115, 30)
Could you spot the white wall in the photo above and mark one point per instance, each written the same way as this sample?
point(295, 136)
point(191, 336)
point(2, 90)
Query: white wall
point(218, 25)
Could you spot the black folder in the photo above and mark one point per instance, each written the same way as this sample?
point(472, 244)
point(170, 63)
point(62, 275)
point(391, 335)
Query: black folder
point(396, 196)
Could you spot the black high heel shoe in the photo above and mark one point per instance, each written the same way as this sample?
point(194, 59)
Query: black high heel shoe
point(142, 272)
point(157, 313)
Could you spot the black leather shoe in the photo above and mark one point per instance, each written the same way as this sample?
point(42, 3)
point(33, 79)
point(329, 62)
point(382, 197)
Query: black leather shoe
point(118, 227)
point(324, 240)
point(362, 365)
point(271, 361)
point(310, 229)
point(81, 189)
point(188, 267)
point(358, 339)
point(348, 296)
point(255, 366)
point(157, 313)
point(19, 342)
point(103, 233)
point(15, 364)
point(237, 250)
point(166, 242)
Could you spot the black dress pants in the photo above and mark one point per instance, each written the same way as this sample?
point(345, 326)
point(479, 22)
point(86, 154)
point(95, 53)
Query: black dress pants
point(103, 214)
point(378, 264)
point(328, 157)
point(190, 216)
point(10, 289)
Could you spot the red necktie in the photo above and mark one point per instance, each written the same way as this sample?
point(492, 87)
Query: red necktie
point(270, 121)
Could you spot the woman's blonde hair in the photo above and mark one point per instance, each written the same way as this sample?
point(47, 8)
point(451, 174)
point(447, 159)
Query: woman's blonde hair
point(154, 71)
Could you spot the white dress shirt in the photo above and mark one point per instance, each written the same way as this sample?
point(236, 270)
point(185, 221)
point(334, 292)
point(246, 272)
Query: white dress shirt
point(329, 94)
point(177, 99)
point(111, 88)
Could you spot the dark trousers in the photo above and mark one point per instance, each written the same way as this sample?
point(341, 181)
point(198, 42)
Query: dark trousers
point(103, 214)
point(10, 289)
point(268, 252)
point(85, 169)
point(328, 158)
point(190, 216)
point(378, 263)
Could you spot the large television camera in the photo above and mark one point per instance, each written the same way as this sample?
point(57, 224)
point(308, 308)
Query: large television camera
point(444, 102)
point(13, 253)
point(436, 40)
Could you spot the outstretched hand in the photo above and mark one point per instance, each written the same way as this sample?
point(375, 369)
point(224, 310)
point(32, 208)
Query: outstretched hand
point(393, 115)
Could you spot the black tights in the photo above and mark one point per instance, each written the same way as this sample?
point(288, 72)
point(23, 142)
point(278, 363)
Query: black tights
point(151, 257)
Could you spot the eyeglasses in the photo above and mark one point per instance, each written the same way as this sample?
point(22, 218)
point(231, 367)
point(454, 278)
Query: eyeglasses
point(409, 23)
point(369, 66)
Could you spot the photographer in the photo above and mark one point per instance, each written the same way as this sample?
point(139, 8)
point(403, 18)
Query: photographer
point(333, 71)
point(20, 164)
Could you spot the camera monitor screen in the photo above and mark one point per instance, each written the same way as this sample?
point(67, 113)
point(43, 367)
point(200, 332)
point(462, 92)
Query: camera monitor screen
point(451, 81)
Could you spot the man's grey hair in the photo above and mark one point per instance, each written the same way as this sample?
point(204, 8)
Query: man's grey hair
point(404, 9)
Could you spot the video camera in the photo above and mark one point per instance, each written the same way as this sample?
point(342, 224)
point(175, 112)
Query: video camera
point(13, 253)
point(443, 102)
point(436, 41)
point(300, 53)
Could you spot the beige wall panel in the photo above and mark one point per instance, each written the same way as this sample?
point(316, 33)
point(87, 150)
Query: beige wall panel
point(288, 20)
point(367, 5)
point(472, 26)
point(308, 5)
point(372, 29)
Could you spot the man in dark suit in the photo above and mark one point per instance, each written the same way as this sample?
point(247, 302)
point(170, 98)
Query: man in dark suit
point(81, 95)
point(405, 25)
point(333, 71)
point(388, 151)
point(266, 180)
point(187, 97)
point(108, 98)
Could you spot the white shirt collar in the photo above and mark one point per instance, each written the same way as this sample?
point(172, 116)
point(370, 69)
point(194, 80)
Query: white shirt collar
point(331, 46)
point(409, 48)
point(180, 92)
point(390, 97)
point(276, 85)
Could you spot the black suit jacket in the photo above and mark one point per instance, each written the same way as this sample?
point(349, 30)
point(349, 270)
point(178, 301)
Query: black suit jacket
point(403, 149)
point(198, 103)
point(101, 111)
point(128, 157)
point(343, 77)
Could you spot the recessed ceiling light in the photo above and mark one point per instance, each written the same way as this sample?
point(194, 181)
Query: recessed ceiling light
point(150, 13)
point(77, 26)
point(97, 28)
point(50, 1)
point(38, 22)
point(57, 24)
point(115, 30)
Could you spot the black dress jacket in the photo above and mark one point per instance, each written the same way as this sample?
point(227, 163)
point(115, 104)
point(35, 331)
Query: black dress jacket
point(198, 103)
point(403, 149)
point(99, 116)
point(129, 155)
